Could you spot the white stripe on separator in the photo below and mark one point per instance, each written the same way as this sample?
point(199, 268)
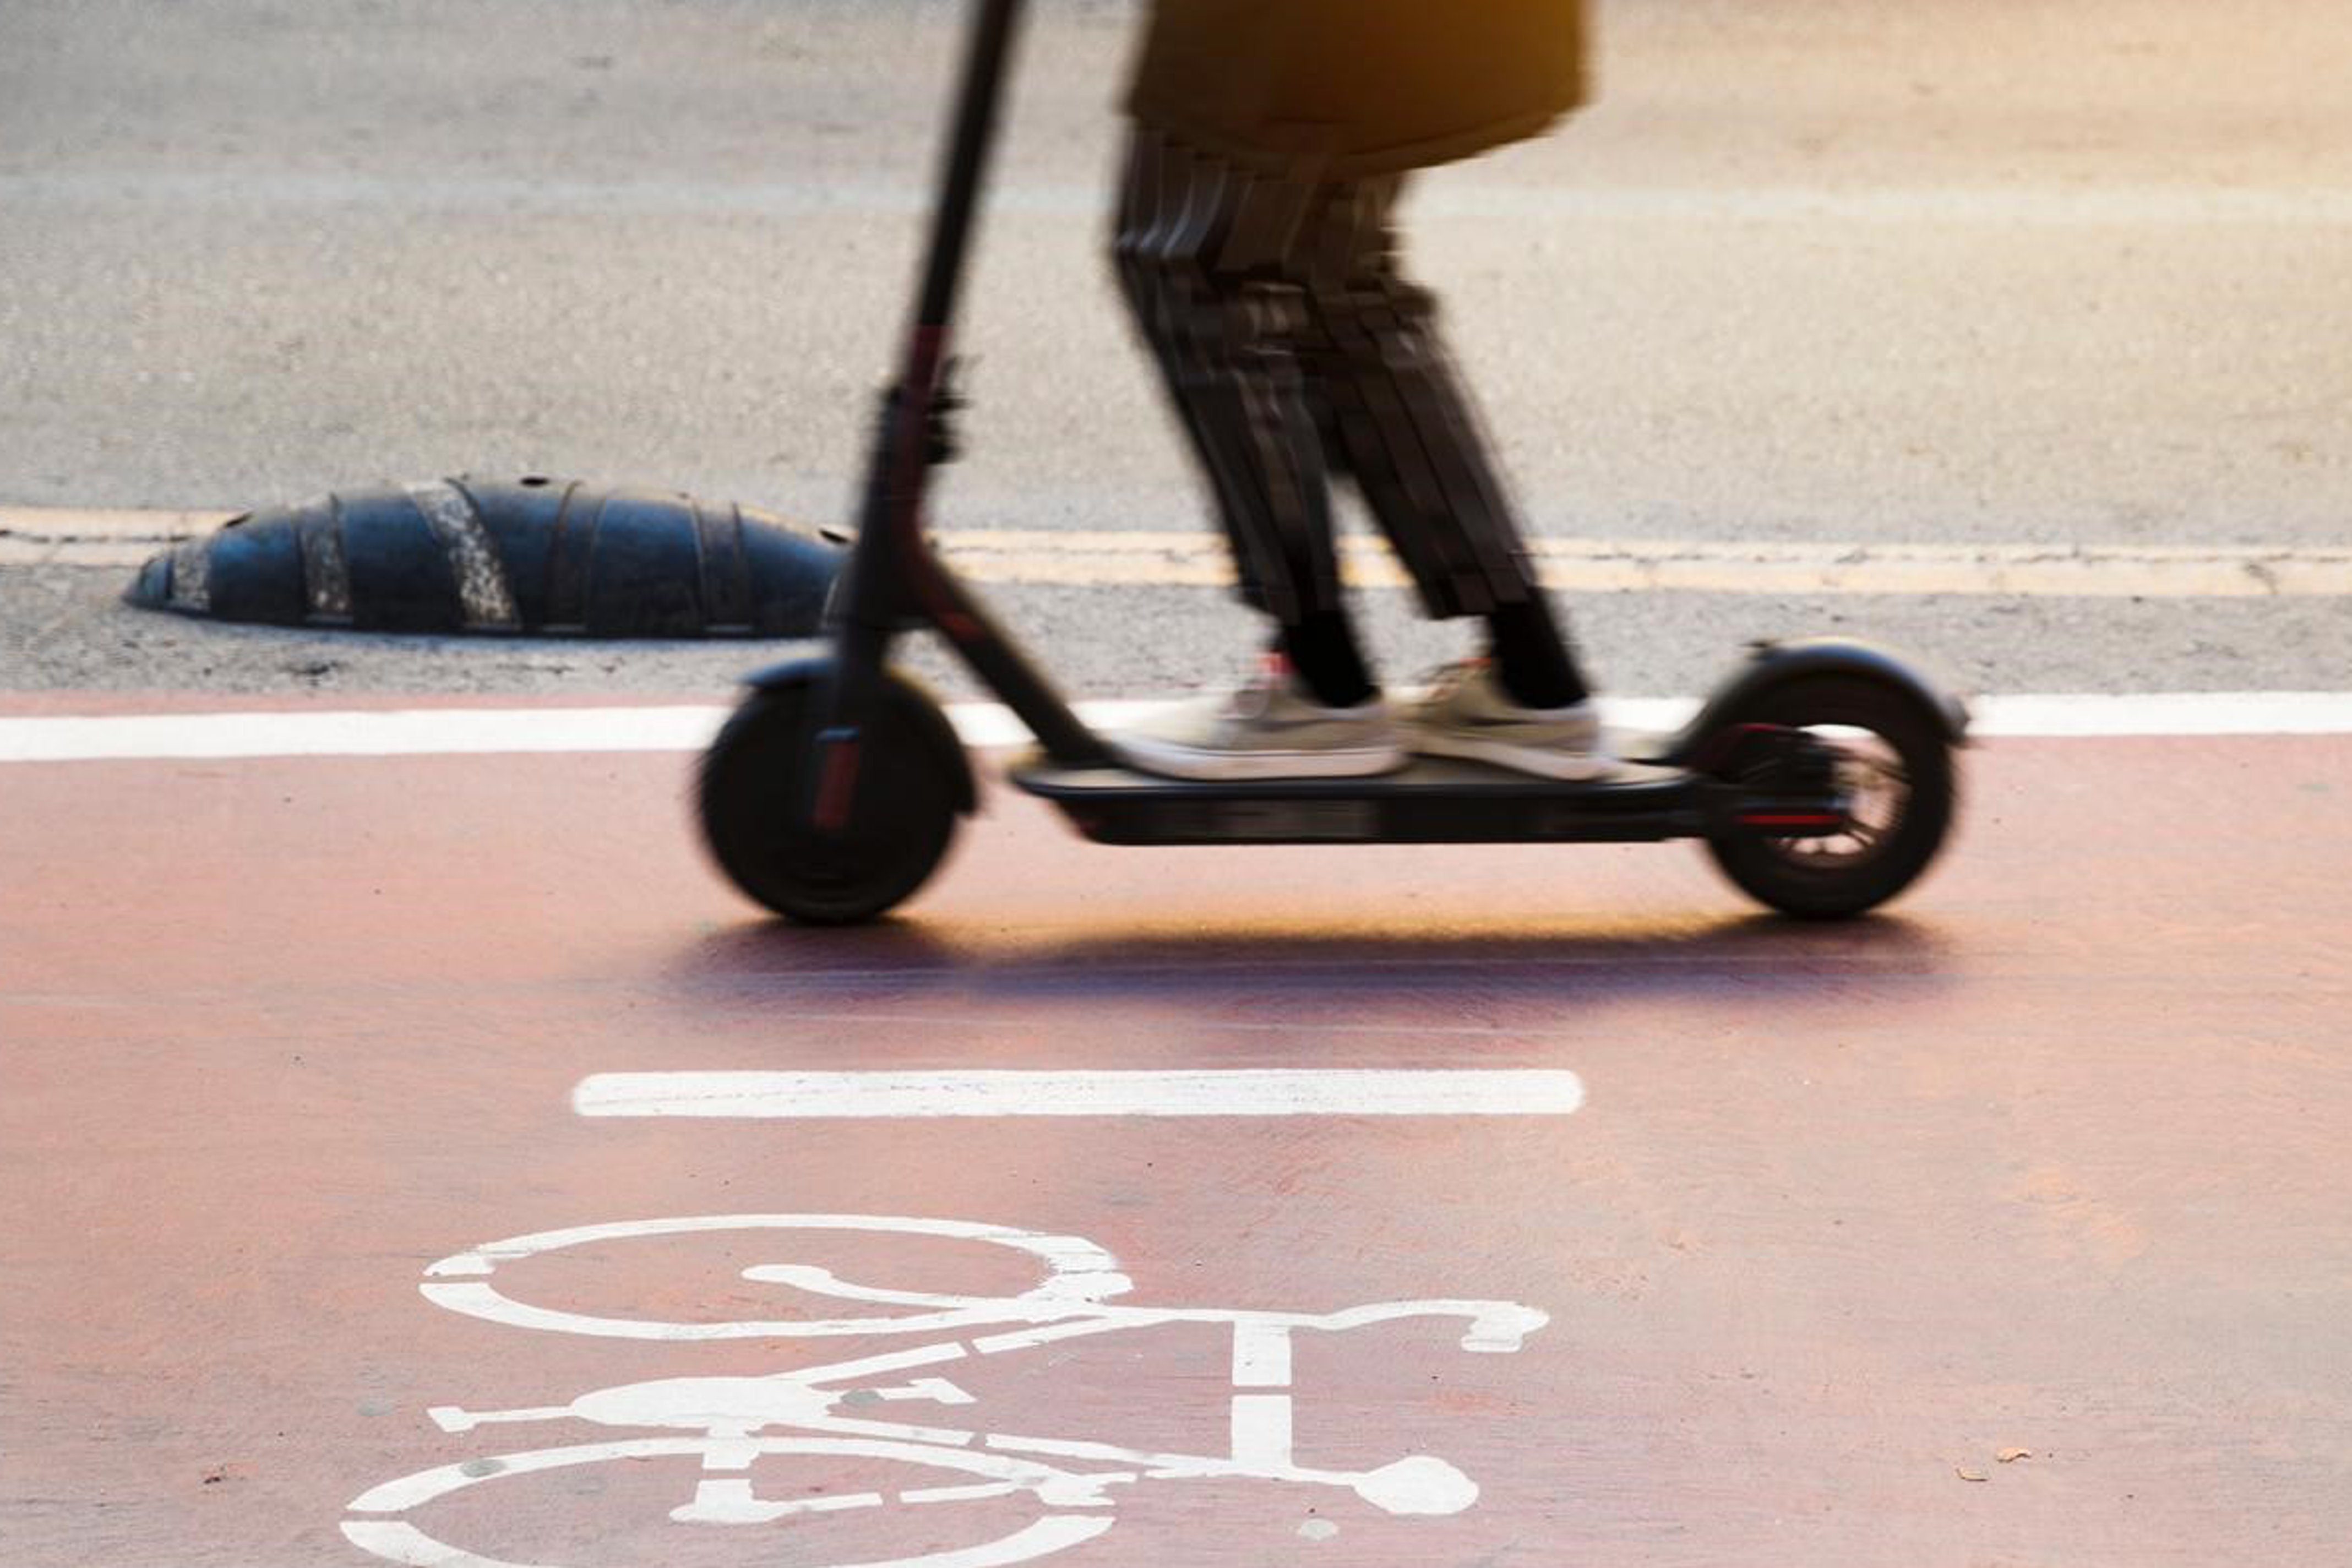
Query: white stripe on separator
point(459, 731)
point(1249, 1092)
point(391, 733)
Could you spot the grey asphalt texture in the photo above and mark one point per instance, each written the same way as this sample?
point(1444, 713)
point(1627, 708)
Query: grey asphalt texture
point(66, 630)
point(1823, 269)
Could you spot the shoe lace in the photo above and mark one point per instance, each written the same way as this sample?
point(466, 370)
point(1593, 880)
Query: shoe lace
point(1439, 680)
point(1254, 695)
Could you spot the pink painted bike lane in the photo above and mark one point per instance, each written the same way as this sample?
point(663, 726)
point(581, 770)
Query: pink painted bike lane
point(2010, 1226)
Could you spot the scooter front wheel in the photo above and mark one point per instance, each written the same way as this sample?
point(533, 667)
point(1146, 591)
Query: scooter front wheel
point(1890, 763)
point(756, 808)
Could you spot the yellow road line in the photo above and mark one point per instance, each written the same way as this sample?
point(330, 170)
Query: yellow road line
point(57, 536)
point(64, 536)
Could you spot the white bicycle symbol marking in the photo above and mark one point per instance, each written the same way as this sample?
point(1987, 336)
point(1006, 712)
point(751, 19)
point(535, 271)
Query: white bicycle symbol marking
point(736, 1420)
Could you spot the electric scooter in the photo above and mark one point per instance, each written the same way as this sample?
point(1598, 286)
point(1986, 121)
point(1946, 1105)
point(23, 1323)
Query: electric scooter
point(1819, 775)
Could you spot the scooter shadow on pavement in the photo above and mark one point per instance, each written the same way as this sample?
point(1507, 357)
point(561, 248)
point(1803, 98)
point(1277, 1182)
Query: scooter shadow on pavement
point(1757, 955)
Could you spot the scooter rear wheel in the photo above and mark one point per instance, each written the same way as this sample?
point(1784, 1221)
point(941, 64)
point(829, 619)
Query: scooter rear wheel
point(1894, 764)
point(754, 798)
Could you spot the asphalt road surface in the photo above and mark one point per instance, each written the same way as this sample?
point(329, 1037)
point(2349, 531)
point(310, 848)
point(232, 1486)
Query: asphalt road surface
point(1813, 271)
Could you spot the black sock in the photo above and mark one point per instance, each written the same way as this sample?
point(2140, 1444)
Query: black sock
point(1532, 659)
point(1322, 651)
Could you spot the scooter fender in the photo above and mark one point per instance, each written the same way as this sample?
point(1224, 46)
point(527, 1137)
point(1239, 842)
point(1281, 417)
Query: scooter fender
point(920, 707)
point(1774, 664)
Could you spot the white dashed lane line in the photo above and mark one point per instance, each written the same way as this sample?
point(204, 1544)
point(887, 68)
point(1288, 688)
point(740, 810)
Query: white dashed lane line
point(1269, 1091)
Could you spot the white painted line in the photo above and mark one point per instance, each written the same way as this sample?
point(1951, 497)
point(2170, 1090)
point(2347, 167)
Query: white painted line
point(1261, 1430)
point(1271, 1091)
point(1261, 1356)
point(490, 731)
point(395, 732)
point(2192, 713)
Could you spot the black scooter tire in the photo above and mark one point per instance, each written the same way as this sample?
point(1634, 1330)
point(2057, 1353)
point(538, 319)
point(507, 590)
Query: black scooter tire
point(1811, 886)
point(754, 798)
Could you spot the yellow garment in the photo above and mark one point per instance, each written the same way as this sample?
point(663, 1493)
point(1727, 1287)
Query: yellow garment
point(1345, 88)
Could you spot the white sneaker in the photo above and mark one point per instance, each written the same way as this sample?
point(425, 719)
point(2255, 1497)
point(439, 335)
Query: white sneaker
point(1467, 715)
point(1270, 728)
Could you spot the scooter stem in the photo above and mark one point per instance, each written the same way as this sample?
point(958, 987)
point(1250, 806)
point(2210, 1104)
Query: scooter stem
point(966, 156)
point(891, 556)
point(894, 579)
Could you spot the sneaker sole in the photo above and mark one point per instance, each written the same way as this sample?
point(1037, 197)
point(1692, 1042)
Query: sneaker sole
point(1241, 767)
point(1569, 767)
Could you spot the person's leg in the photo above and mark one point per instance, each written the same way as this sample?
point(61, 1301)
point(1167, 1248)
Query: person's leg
point(1531, 656)
point(1203, 258)
point(1203, 249)
point(1411, 440)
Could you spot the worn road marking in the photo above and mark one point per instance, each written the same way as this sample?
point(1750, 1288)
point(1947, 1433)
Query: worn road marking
point(1271, 1091)
point(1085, 558)
point(739, 1420)
point(1592, 565)
point(485, 731)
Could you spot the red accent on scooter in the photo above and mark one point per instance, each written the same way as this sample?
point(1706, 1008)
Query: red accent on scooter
point(836, 786)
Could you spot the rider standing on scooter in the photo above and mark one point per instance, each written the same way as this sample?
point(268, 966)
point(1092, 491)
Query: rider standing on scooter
point(1256, 246)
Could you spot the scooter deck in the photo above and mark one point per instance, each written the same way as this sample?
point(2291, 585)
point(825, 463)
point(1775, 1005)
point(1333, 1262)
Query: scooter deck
point(1432, 801)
